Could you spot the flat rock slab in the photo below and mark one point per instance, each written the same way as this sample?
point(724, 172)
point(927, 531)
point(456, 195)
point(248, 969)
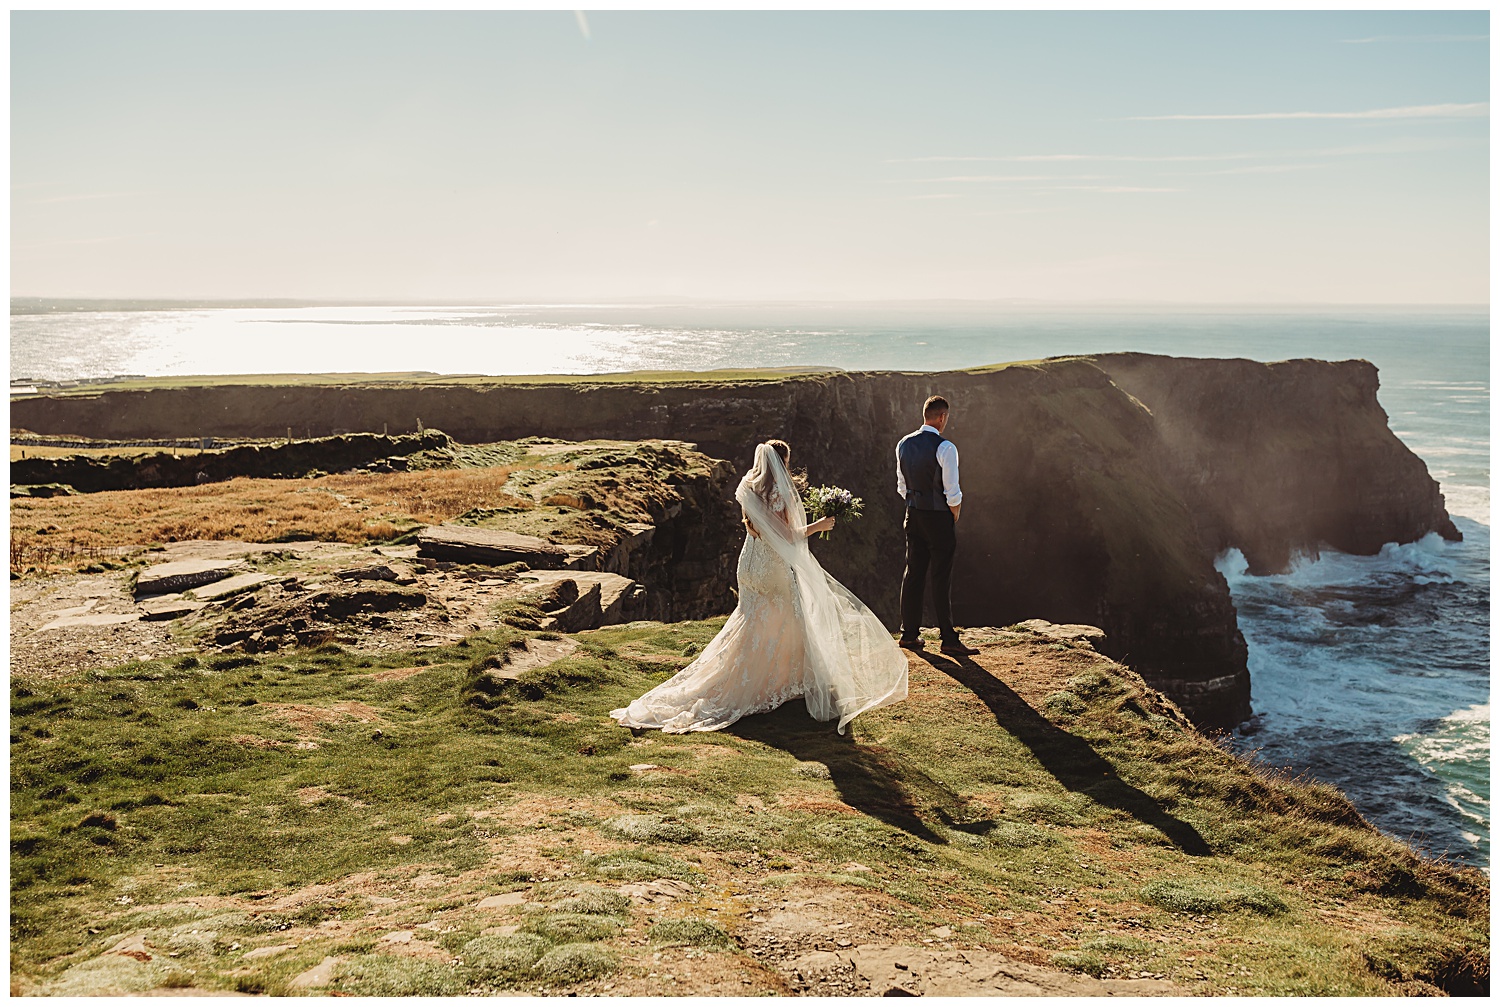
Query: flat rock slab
point(231, 585)
point(660, 890)
point(100, 619)
point(536, 654)
point(1073, 632)
point(399, 573)
point(398, 937)
point(169, 578)
point(270, 951)
point(614, 589)
point(502, 901)
point(319, 975)
point(162, 609)
point(488, 546)
point(893, 970)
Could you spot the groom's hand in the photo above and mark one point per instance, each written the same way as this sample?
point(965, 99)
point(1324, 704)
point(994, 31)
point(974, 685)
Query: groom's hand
point(955, 508)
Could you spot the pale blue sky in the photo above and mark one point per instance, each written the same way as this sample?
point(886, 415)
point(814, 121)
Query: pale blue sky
point(1053, 156)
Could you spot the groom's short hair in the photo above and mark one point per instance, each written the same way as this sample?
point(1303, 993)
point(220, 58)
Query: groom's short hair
point(935, 405)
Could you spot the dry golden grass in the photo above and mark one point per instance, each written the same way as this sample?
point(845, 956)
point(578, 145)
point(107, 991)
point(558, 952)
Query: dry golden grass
point(352, 508)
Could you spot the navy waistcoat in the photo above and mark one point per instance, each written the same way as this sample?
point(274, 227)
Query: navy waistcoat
point(917, 454)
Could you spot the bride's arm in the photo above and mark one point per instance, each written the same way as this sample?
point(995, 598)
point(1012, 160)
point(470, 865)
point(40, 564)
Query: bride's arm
point(748, 526)
point(822, 524)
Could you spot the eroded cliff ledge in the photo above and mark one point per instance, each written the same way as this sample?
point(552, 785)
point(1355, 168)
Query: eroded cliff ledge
point(1097, 490)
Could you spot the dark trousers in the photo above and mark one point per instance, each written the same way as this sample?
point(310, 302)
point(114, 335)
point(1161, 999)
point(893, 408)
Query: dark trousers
point(930, 544)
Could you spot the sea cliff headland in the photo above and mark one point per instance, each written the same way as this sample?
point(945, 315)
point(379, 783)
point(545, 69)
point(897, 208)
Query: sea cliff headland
point(1100, 489)
point(329, 715)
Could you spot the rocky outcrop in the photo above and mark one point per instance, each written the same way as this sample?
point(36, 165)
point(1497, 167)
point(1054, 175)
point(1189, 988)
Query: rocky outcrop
point(293, 459)
point(1286, 458)
point(1097, 490)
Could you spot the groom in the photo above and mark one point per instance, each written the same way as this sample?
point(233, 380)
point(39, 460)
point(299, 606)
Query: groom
point(927, 477)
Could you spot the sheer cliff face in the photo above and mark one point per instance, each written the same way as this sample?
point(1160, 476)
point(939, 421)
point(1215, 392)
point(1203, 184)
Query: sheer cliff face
point(1285, 458)
point(1095, 490)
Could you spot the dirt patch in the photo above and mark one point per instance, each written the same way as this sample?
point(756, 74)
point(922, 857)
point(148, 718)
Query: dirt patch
point(815, 804)
point(305, 717)
point(895, 970)
point(396, 674)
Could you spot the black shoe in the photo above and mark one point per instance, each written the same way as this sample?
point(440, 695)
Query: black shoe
point(957, 648)
point(910, 644)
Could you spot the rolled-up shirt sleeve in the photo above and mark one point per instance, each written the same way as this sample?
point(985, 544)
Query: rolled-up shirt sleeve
point(900, 476)
point(947, 457)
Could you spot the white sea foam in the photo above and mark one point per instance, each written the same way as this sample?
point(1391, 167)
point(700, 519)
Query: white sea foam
point(1429, 559)
point(1460, 742)
point(1357, 664)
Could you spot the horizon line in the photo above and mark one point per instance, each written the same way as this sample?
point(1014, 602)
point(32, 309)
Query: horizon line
point(673, 300)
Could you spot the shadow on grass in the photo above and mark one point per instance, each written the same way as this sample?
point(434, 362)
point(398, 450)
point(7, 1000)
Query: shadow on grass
point(1070, 759)
point(863, 781)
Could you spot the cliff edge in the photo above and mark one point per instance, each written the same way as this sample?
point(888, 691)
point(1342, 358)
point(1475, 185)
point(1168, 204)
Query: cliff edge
point(1098, 490)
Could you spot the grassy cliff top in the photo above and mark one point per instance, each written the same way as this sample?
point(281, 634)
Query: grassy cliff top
point(423, 378)
point(407, 379)
point(410, 823)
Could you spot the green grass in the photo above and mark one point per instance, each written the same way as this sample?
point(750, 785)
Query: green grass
point(426, 378)
point(1114, 836)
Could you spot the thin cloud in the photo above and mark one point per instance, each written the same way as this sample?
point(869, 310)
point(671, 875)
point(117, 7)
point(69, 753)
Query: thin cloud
point(1415, 38)
point(583, 25)
point(1396, 146)
point(1469, 110)
point(1111, 188)
point(1003, 178)
point(1255, 169)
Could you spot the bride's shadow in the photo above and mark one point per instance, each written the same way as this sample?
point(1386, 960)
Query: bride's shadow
point(863, 781)
point(1070, 759)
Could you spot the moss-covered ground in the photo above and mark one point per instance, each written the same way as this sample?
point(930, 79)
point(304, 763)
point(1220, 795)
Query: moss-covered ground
point(236, 822)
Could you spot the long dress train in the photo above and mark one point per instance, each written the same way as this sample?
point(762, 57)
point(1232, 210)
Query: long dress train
point(796, 632)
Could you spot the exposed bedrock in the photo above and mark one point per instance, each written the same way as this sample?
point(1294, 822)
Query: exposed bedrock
point(1097, 490)
point(1285, 458)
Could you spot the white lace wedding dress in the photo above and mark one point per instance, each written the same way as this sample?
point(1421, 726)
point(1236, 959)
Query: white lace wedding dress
point(796, 632)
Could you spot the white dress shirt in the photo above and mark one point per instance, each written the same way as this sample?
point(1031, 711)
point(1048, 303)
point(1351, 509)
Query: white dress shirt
point(947, 457)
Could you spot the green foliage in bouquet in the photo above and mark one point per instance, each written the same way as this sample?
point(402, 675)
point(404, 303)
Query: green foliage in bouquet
point(832, 501)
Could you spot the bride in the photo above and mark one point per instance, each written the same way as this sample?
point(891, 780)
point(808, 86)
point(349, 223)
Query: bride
point(796, 631)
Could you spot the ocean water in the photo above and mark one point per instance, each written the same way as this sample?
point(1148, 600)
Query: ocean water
point(1370, 673)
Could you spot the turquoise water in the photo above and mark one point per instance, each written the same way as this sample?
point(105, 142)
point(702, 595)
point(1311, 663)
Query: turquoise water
point(1371, 673)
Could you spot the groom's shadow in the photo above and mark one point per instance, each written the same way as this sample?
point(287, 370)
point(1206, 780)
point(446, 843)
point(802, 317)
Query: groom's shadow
point(1070, 759)
point(862, 780)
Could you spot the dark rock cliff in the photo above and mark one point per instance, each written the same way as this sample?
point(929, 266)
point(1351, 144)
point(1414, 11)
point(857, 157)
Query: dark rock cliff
point(1285, 458)
point(1096, 490)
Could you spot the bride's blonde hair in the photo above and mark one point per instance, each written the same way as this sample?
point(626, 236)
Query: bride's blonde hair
point(761, 479)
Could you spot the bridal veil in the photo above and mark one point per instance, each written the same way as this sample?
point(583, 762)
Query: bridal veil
point(852, 665)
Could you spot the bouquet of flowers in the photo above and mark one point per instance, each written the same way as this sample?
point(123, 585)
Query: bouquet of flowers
point(832, 501)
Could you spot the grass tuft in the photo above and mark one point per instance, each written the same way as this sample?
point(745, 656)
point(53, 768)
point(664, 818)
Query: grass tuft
point(1195, 898)
point(695, 933)
point(1079, 961)
point(390, 976)
point(573, 963)
point(564, 927)
point(638, 865)
point(652, 829)
point(503, 959)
